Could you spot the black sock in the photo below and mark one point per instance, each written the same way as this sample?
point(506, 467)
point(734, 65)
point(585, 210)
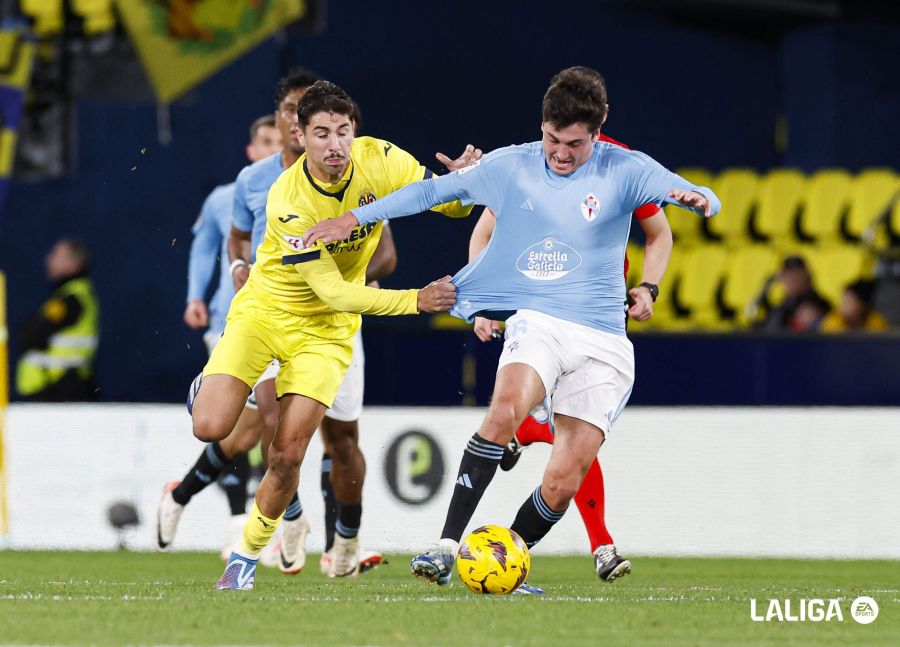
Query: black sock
point(348, 518)
point(294, 509)
point(205, 471)
point(234, 482)
point(535, 519)
point(330, 502)
point(476, 469)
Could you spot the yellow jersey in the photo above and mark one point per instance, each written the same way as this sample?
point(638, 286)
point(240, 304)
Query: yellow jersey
point(330, 279)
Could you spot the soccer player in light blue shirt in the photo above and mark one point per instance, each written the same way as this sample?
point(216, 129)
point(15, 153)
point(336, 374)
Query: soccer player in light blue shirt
point(563, 208)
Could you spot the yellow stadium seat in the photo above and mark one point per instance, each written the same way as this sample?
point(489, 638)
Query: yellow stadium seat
point(780, 196)
point(833, 268)
point(687, 227)
point(871, 195)
point(827, 199)
point(97, 14)
point(737, 189)
point(664, 317)
point(700, 273)
point(47, 16)
point(748, 275)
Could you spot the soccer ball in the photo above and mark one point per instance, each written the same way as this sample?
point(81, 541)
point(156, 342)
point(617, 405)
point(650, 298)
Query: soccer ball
point(493, 559)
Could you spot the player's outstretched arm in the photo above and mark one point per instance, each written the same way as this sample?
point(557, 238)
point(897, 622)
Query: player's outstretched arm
point(320, 272)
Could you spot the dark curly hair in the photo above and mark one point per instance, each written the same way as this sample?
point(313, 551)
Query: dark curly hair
point(298, 78)
point(325, 96)
point(576, 95)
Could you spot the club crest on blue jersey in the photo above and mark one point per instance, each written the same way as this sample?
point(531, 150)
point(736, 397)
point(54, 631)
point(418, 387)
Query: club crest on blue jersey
point(590, 207)
point(548, 260)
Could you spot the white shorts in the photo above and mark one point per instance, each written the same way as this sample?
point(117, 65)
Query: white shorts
point(348, 402)
point(587, 373)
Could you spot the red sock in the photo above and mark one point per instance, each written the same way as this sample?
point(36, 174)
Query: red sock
point(591, 504)
point(532, 431)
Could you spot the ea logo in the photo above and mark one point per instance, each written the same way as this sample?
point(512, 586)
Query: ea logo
point(414, 467)
point(864, 610)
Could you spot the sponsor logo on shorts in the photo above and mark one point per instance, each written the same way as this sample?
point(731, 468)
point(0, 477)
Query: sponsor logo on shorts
point(548, 260)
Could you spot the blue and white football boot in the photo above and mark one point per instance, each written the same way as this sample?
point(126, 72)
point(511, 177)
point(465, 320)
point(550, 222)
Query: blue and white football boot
point(435, 565)
point(527, 589)
point(239, 574)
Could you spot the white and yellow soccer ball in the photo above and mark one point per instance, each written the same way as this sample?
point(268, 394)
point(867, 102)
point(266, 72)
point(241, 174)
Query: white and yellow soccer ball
point(493, 559)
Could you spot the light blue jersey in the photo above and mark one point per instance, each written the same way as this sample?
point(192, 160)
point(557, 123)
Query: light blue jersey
point(211, 244)
point(559, 243)
point(250, 193)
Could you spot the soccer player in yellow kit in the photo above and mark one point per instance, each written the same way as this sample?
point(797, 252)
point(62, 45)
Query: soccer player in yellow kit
point(300, 306)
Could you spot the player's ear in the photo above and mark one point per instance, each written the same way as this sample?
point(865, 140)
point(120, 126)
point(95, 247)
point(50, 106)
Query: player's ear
point(298, 133)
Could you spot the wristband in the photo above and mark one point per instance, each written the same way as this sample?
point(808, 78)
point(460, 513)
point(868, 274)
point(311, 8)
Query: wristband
point(240, 262)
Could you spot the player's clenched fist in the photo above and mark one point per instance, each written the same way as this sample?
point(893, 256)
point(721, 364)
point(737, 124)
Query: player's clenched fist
point(437, 296)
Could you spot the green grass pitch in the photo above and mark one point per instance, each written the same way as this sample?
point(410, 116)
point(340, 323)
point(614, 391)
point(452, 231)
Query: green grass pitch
point(128, 598)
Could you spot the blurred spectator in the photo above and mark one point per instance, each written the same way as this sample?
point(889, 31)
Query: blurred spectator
point(802, 308)
point(856, 311)
point(59, 341)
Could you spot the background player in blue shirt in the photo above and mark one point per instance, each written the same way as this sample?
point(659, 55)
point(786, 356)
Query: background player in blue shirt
point(208, 250)
point(563, 209)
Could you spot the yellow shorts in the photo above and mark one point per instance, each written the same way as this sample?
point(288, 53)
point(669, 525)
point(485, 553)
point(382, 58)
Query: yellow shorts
point(314, 351)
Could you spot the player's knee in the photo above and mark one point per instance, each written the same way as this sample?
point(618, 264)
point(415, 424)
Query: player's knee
point(284, 462)
point(270, 419)
point(209, 427)
point(502, 420)
point(558, 489)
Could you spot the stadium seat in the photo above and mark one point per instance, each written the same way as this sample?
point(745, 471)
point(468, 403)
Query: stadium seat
point(97, 15)
point(47, 16)
point(748, 275)
point(737, 189)
point(871, 195)
point(833, 268)
point(664, 316)
point(700, 273)
point(780, 199)
point(827, 198)
point(687, 228)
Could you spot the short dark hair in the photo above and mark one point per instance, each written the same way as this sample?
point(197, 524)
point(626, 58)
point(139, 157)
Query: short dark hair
point(259, 122)
point(298, 78)
point(864, 290)
point(79, 251)
point(576, 95)
point(324, 96)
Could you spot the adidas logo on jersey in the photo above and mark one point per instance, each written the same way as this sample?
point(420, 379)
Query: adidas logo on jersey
point(527, 206)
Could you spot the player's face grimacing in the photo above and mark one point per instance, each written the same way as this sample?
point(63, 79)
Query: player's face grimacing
point(286, 120)
point(327, 139)
point(565, 149)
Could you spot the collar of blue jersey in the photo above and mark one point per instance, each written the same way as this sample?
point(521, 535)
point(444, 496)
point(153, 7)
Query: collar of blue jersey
point(338, 195)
